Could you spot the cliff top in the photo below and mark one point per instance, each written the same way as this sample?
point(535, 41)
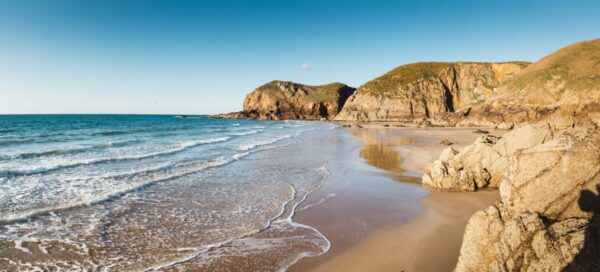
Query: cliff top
point(575, 67)
point(415, 72)
point(320, 93)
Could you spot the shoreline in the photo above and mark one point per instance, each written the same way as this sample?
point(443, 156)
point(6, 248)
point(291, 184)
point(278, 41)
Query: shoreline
point(397, 223)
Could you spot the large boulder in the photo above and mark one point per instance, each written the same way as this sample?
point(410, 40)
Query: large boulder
point(548, 215)
point(484, 163)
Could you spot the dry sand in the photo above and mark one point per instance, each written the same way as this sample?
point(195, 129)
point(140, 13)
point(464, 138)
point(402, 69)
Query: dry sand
point(379, 218)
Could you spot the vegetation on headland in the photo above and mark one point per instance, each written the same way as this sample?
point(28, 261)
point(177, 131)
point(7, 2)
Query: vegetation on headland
point(315, 94)
point(392, 81)
point(575, 67)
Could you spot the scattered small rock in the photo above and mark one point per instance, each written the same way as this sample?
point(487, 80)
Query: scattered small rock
point(446, 142)
point(386, 125)
point(480, 131)
point(505, 126)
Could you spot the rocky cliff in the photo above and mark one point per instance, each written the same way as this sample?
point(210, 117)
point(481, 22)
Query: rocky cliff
point(562, 90)
point(423, 90)
point(287, 100)
point(548, 172)
point(564, 83)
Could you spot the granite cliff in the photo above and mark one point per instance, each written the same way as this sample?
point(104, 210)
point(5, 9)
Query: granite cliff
point(288, 100)
point(423, 90)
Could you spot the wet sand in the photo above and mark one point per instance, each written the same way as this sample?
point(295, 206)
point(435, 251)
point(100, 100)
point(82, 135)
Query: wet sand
point(379, 218)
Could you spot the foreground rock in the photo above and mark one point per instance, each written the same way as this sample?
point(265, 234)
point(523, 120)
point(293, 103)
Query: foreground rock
point(548, 216)
point(484, 163)
point(287, 100)
point(423, 90)
point(548, 173)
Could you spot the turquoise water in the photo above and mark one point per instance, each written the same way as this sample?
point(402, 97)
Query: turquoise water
point(138, 192)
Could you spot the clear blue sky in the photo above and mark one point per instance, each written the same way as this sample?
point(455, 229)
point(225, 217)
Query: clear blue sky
point(203, 56)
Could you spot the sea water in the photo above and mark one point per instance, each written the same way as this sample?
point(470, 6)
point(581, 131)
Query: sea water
point(157, 192)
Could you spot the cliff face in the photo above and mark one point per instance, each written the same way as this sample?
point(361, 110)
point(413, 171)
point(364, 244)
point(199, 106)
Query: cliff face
point(548, 172)
point(422, 90)
point(287, 100)
point(564, 83)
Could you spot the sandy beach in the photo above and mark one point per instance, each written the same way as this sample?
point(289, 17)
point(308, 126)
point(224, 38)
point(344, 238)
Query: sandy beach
point(377, 215)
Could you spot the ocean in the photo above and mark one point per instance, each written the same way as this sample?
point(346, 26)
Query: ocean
point(157, 192)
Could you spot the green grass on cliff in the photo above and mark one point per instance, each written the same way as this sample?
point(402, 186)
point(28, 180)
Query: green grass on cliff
point(403, 75)
point(390, 82)
point(575, 67)
point(316, 94)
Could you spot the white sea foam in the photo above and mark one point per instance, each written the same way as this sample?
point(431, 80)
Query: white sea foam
point(312, 205)
point(283, 221)
point(152, 175)
point(52, 165)
point(256, 143)
point(172, 193)
point(246, 132)
point(117, 190)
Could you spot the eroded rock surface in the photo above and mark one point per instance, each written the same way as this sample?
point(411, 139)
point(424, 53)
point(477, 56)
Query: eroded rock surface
point(547, 219)
point(484, 163)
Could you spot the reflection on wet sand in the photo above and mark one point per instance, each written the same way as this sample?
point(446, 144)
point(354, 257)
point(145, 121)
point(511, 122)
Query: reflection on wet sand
point(378, 151)
point(435, 234)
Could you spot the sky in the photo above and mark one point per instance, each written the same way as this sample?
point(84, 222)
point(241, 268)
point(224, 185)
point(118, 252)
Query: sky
point(203, 57)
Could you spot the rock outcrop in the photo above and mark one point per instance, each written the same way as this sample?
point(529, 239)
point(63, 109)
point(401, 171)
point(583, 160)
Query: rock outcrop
point(548, 216)
point(423, 90)
point(483, 163)
point(287, 100)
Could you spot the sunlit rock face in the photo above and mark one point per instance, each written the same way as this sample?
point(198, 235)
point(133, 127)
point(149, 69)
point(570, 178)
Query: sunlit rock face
point(423, 90)
point(547, 219)
point(279, 100)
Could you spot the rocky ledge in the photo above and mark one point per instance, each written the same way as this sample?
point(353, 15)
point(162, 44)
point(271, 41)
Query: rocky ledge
point(484, 163)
